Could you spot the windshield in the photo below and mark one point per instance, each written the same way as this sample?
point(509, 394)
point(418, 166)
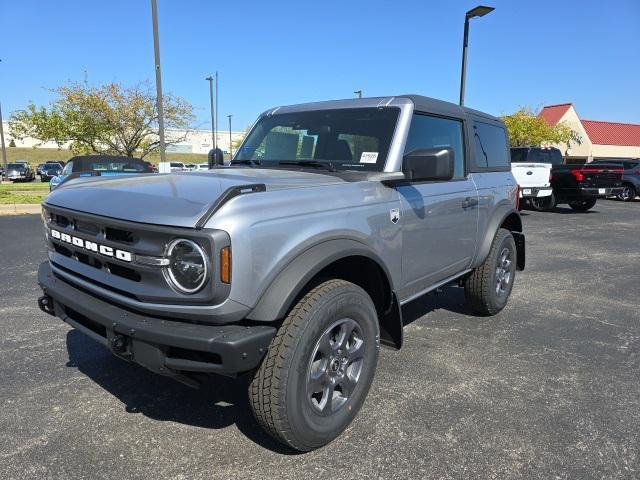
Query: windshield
point(339, 139)
point(122, 166)
point(17, 166)
point(52, 166)
point(536, 155)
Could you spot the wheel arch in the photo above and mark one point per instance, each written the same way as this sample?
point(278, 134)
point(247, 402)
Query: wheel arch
point(505, 217)
point(342, 258)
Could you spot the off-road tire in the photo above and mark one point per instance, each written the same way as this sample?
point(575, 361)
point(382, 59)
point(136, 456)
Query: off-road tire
point(629, 194)
point(480, 285)
point(582, 205)
point(278, 390)
point(543, 204)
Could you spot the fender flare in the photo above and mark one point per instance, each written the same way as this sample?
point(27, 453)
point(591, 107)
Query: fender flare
point(283, 290)
point(501, 213)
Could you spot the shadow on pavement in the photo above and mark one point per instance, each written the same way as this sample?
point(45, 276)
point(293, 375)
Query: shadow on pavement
point(219, 403)
point(450, 297)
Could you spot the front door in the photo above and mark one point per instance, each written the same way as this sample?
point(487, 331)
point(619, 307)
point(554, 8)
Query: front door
point(439, 219)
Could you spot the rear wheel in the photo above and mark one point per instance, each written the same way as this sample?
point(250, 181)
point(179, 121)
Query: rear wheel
point(543, 204)
point(488, 287)
point(628, 193)
point(582, 205)
point(319, 367)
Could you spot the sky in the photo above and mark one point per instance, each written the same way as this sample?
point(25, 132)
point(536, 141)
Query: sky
point(269, 53)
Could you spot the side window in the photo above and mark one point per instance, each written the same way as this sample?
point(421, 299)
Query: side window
point(431, 132)
point(67, 169)
point(491, 149)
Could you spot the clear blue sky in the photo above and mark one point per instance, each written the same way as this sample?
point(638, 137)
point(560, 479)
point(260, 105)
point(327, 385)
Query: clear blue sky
point(280, 52)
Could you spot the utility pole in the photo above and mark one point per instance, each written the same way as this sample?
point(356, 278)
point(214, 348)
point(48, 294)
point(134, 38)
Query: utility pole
point(230, 147)
point(156, 51)
point(213, 123)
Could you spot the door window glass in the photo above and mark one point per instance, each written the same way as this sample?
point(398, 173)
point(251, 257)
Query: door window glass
point(433, 132)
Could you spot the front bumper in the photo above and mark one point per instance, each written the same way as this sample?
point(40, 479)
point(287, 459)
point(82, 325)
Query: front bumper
point(166, 347)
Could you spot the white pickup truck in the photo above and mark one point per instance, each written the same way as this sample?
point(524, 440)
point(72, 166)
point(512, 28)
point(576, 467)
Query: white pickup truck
point(531, 167)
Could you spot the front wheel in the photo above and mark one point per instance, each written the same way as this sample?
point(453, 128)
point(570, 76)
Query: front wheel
point(582, 205)
point(488, 287)
point(319, 367)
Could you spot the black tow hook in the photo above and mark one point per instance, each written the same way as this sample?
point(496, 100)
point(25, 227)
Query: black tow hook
point(45, 303)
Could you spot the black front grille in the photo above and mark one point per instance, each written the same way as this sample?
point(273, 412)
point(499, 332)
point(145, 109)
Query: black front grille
point(79, 256)
point(118, 235)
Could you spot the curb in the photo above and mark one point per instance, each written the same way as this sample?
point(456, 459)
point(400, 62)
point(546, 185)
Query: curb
point(20, 209)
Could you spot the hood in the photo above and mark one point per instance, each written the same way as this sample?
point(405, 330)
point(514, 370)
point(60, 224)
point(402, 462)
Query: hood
point(176, 199)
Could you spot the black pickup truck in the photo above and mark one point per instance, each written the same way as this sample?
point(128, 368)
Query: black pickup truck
point(581, 185)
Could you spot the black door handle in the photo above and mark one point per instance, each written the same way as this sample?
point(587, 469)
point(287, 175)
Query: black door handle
point(469, 202)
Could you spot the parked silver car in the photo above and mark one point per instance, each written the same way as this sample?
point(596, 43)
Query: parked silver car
point(292, 265)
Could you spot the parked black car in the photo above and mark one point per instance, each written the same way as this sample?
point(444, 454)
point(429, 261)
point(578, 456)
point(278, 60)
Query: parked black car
point(39, 168)
point(630, 176)
point(20, 172)
point(50, 170)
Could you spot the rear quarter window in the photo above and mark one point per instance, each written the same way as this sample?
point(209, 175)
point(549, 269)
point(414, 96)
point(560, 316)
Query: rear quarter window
point(491, 147)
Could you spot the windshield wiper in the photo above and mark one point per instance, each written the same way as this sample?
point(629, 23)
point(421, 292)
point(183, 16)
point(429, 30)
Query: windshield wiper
point(310, 163)
point(251, 163)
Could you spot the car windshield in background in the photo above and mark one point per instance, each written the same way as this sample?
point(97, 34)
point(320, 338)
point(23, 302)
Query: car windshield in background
point(52, 166)
point(536, 155)
point(339, 139)
point(16, 166)
point(124, 166)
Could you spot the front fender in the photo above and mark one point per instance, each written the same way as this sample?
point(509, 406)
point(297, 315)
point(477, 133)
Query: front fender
point(278, 298)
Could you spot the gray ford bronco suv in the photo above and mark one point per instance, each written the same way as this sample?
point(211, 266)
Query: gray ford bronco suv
point(291, 266)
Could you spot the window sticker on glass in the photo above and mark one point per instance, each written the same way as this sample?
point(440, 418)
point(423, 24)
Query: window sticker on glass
point(369, 157)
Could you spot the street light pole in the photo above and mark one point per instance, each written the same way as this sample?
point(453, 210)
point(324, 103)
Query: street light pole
point(230, 147)
point(156, 51)
point(213, 124)
point(216, 140)
point(479, 11)
point(4, 150)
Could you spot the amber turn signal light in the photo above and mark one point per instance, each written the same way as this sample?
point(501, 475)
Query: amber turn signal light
point(225, 265)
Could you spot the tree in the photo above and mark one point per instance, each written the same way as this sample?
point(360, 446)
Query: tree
point(525, 128)
point(107, 119)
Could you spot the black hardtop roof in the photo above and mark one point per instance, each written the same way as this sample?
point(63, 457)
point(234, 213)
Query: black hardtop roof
point(84, 160)
point(421, 103)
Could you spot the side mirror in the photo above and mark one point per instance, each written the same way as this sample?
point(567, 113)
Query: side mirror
point(215, 157)
point(429, 164)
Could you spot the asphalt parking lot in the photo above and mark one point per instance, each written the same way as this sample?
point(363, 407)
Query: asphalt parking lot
point(549, 388)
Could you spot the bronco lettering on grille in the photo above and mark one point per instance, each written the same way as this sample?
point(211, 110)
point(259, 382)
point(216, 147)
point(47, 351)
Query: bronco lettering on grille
point(92, 246)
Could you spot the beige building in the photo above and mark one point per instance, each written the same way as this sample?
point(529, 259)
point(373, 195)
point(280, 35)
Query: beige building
point(599, 140)
point(192, 141)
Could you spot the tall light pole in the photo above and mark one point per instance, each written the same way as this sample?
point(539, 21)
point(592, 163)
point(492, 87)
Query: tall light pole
point(216, 142)
point(479, 11)
point(156, 51)
point(358, 93)
point(213, 123)
point(230, 147)
point(4, 149)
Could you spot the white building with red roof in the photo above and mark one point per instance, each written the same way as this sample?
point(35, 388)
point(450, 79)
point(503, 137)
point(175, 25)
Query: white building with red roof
point(599, 140)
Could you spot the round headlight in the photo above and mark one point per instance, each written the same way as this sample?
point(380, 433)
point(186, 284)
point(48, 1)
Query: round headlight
point(188, 269)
